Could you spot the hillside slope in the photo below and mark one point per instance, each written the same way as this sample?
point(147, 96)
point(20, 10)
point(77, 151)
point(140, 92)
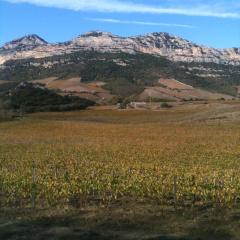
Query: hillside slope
point(124, 74)
point(126, 66)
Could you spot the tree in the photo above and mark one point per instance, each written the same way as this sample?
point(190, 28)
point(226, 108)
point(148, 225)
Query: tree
point(5, 114)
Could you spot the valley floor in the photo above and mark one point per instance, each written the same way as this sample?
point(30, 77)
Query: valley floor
point(122, 174)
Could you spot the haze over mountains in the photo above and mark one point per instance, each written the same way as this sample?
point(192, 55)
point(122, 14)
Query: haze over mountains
point(156, 44)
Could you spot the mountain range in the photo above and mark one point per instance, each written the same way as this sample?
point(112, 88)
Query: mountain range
point(99, 65)
point(156, 44)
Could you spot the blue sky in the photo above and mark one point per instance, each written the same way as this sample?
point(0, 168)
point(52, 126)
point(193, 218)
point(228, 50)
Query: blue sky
point(210, 22)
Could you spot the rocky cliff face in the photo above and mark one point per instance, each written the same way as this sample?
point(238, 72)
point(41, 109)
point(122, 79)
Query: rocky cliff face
point(157, 44)
point(23, 44)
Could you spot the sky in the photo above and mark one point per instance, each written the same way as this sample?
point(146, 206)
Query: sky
point(215, 23)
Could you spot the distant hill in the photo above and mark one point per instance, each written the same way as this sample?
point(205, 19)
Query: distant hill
point(28, 97)
point(126, 66)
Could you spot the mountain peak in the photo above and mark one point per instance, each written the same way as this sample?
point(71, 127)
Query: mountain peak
point(157, 44)
point(161, 34)
point(166, 36)
point(97, 33)
point(94, 38)
point(26, 42)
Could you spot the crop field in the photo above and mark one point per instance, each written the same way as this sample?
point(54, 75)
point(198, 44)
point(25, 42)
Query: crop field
point(103, 156)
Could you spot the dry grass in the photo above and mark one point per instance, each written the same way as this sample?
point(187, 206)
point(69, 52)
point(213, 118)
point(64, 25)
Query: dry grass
point(92, 91)
point(175, 90)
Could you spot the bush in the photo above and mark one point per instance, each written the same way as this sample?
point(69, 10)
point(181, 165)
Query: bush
point(116, 100)
point(5, 113)
point(126, 101)
point(165, 105)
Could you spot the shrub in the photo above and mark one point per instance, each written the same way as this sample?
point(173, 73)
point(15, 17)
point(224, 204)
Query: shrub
point(5, 113)
point(165, 105)
point(116, 100)
point(126, 101)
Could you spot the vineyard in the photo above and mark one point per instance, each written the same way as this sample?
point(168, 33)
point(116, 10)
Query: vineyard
point(103, 156)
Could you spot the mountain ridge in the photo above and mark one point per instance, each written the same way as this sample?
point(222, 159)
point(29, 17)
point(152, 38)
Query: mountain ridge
point(157, 44)
point(126, 65)
point(29, 40)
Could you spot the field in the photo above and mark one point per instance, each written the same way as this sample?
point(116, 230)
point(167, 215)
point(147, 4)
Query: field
point(123, 164)
point(172, 89)
point(74, 86)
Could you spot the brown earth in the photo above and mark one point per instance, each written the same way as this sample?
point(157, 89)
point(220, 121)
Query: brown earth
point(138, 221)
point(168, 89)
point(171, 89)
point(92, 91)
point(181, 112)
point(174, 84)
point(3, 82)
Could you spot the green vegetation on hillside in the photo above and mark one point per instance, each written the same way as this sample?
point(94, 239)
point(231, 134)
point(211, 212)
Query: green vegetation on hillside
point(219, 77)
point(31, 98)
point(5, 87)
point(125, 74)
